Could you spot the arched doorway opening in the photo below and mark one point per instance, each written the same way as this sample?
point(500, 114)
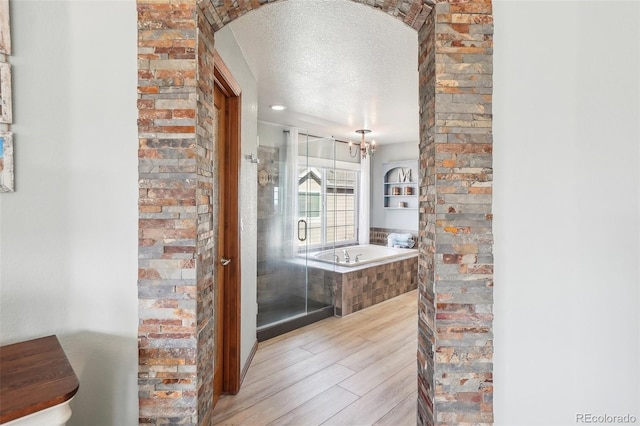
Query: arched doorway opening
point(177, 284)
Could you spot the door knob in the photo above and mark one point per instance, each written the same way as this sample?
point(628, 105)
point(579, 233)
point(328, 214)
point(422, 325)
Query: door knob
point(225, 261)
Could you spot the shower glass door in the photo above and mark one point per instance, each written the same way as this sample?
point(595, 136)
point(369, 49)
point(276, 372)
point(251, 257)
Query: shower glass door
point(290, 209)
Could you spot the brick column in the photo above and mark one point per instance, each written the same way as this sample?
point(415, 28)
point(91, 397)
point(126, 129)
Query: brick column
point(456, 263)
point(207, 231)
point(170, 236)
point(427, 220)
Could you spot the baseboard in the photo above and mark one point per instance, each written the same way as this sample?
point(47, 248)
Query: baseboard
point(248, 363)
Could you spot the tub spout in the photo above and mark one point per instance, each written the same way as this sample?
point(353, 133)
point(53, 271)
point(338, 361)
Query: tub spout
point(347, 258)
point(357, 258)
point(337, 258)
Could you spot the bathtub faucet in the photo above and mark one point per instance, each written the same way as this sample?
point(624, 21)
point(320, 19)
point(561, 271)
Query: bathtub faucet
point(357, 256)
point(337, 258)
point(347, 258)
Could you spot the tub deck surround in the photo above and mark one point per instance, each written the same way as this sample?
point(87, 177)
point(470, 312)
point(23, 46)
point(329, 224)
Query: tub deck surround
point(366, 254)
point(360, 285)
point(368, 286)
point(34, 376)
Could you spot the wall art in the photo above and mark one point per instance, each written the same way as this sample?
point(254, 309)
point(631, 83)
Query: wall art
point(5, 28)
point(5, 93)
point(6, 162)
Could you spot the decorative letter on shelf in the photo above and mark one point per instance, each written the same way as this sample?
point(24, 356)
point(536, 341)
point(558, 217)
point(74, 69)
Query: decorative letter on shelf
point(404, 175)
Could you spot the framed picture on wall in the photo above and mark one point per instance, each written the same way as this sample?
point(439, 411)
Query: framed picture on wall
point(5, 29)
point(6, 162)
point(5, 93)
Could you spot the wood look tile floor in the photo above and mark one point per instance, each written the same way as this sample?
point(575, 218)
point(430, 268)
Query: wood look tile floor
point(358, 370)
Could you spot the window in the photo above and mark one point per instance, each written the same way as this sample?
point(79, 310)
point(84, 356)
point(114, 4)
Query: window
point(309, 204)
point(327, 201)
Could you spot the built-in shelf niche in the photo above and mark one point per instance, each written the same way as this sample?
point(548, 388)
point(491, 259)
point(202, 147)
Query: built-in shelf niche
point(400, 185)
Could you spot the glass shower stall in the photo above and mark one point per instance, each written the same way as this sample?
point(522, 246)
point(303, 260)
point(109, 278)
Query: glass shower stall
point(292, 220)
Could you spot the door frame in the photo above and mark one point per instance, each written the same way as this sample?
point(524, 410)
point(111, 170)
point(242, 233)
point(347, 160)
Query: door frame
point(231, 324)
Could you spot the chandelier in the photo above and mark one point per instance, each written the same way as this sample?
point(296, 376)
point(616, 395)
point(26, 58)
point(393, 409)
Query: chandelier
point(365, 147)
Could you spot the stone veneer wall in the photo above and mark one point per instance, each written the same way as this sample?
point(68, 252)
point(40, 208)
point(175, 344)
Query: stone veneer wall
point(177, 163)
point(426, 223)
point(207, 231)
point(456, 262)
point(410, 12)
point(176, 282)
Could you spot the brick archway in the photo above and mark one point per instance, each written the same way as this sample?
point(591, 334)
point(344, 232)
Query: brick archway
point(411, 12)
point(177, 206)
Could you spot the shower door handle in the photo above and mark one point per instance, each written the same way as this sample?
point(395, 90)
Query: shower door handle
point(225, 261)
point(304, 237)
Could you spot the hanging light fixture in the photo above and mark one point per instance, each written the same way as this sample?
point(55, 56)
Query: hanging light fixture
point(366, 148)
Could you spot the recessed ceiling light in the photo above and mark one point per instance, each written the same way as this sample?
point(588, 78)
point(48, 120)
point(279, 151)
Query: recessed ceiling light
point(277, 107)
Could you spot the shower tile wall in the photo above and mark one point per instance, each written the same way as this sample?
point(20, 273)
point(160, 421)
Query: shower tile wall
point(271, 284)
point(322, 285)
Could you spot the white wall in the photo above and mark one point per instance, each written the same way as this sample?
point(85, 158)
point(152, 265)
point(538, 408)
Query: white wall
point(68, 233)
point(227, 47)
point(271, 134)
point(566, 211)
point(392, 219)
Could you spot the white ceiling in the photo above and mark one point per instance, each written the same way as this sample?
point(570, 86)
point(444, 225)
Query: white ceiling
point(337, 65)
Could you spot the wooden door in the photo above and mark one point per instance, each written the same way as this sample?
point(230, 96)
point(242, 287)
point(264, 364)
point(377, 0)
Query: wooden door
point(220, 103)
point(226, 378)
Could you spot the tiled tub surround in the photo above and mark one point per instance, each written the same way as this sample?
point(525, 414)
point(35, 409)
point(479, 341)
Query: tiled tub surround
point(358, 287)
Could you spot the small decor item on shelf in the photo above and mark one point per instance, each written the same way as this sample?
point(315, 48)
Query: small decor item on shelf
point(408, 190)
point(396, 190)
point(402, 204)
point(404, 175)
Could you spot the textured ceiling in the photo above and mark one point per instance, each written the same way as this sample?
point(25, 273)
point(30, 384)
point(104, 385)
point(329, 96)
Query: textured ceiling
point(337, 65)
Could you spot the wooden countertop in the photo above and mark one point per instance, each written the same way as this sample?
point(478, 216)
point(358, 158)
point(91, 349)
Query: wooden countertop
point(34, 375)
